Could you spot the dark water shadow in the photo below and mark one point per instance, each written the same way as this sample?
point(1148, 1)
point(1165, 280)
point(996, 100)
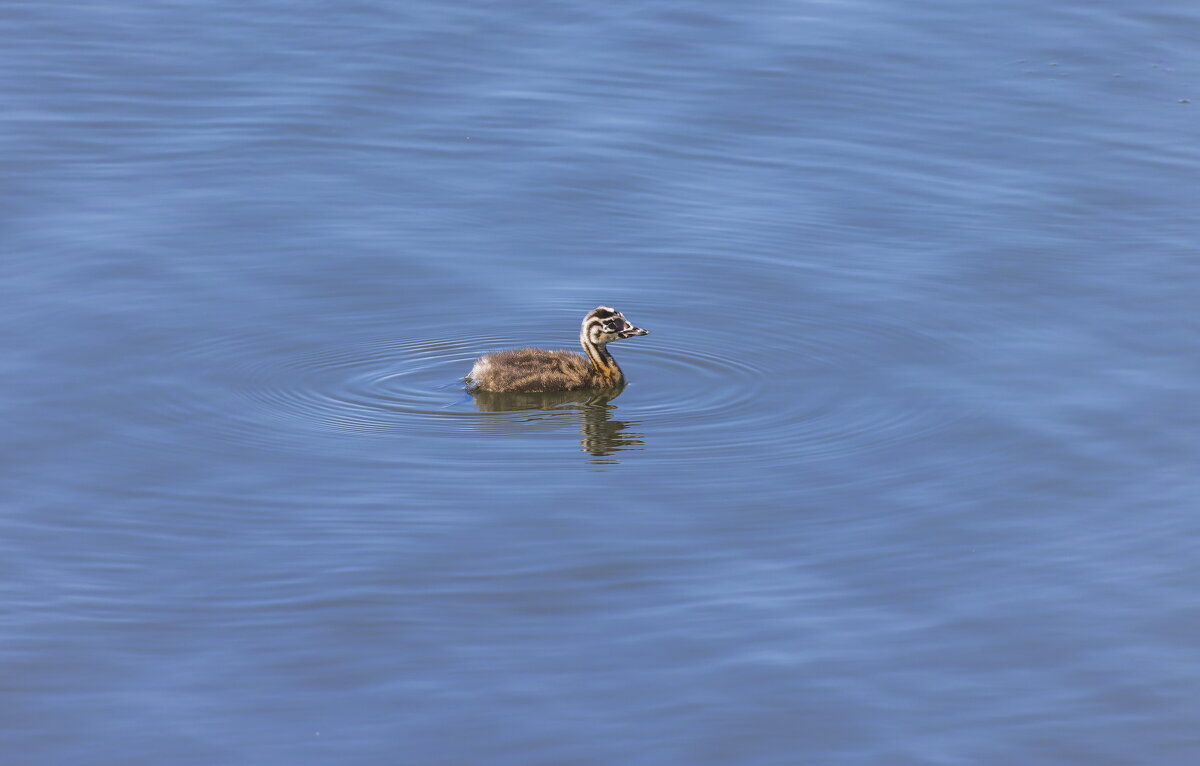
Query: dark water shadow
point(603, 436)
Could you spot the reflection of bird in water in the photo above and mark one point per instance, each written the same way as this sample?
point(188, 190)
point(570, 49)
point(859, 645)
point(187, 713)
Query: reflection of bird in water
point(536, 369)
point(602, 436)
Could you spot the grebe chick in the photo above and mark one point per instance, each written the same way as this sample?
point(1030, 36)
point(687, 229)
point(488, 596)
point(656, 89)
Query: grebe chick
point(536, 369)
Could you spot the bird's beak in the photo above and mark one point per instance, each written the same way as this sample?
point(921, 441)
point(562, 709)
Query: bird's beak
point(633, 332)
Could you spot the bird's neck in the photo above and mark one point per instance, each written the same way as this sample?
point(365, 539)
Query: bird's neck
point(602, 361)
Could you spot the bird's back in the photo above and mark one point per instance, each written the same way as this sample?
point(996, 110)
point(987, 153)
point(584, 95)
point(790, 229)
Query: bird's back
point(533, 369)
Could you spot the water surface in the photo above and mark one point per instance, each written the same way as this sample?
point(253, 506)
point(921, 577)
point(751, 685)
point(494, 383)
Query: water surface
point(904, 474)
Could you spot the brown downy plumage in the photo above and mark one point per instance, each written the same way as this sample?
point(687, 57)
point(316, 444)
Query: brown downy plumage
point(536, 369)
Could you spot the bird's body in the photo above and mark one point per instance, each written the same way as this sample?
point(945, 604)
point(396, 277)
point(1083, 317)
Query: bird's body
point(537, 369)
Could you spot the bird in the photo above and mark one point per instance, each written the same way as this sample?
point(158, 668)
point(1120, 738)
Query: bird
point(540, 370)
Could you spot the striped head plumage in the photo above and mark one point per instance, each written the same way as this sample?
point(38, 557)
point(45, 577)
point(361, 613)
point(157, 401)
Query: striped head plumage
point(604, 325)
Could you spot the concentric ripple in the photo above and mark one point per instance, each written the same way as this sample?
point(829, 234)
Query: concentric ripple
point(825, 391)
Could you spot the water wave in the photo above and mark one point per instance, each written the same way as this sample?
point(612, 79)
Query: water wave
point(827, 390)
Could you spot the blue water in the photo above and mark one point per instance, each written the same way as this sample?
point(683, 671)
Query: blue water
point(905, 472)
